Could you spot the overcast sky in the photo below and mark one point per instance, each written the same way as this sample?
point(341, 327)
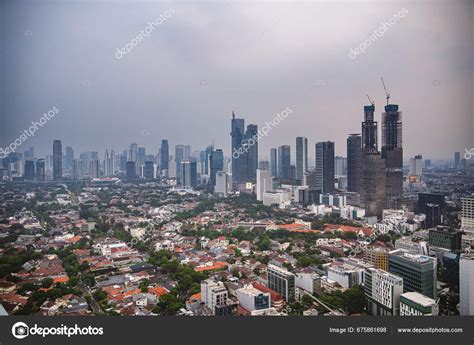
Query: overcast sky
point(255, 58)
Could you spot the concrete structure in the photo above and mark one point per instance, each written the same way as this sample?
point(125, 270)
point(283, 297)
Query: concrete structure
point(383, 292)
point(416, 304)
point(466, 284)
point(281, 281)
point(264, 183)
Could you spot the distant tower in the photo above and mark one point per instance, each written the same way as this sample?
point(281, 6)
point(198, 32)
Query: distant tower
point(301, 157)
point(354, 163)
point(273, 162)
point(57, 160)
point(237, 135)
point(325, 152)
point(165, 155)
point(284, 162)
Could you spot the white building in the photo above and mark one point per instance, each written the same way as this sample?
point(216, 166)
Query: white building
point(407, 244)
point(416, 165)
point(252, 299)
point(310, 282)
point(466, 284)
point(416, 304)
point(221, 187)
point(276, 197)
point(264, 183)
point(383, 292)
point(213, 294)
point(467, 217)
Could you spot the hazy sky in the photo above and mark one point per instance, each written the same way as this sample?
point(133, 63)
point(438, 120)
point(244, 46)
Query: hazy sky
point(253, 57)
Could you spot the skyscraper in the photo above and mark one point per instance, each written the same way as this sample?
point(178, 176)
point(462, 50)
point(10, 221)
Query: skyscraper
point(94, 169)
point(77, 169)
point(68, 158)
point(284, 162)
point(57, 160)
point(237, 135)
point(252, 155)
point(264, 183)
point(149, 172)
point(273, 162)
point(383, 292)
point(301, 157)
point(416, 165)
point(131, 171)
point(466, 284)
point(392, 153)
point(457, 160)
point(373, 186)
point(215, 163)
point(188, 174)
point(340, 166)
point(221, 184)
point(29, 170)
point(354, 163)
point(325, 166)
point(40, 170)
point(179, 156)
point(165, 155)
point(109, 163)
point(132, 152)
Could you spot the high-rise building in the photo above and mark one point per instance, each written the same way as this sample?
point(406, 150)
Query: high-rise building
point(68, 158)
point(354, 163)
point(179, 157)
point(216, 297)
point(284, 162)
point(109, 163)
point(131, 171)
point(94, 169)
point(207, 153)
point(301, 157)
point(215, 164)
point(188, 174)
point(466, 284)
point(467, 215)
point(373, 181)
point(273, 162)
point(445, 237)
point(133, 153)
point(29, 170)
point(165, 155)
point(426, 198)
point(264, 183)
point(57, 160)
point(77, 169)
point(392, 153)
point(325, 166)
point(237, 135)
point(416, 304)
point(383, 292)
point(457, 160)
point(251, 142)
point(340, 164)
point(433, 215)
point(149, 172)
point(416, 166)
point(221, 187)
point(40, 168)
point(281, 281)
point(418, 271)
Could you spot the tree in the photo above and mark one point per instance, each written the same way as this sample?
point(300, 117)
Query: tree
point(47, 282)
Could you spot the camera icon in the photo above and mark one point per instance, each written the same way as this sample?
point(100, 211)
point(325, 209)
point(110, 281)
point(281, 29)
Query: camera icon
point(20, 330)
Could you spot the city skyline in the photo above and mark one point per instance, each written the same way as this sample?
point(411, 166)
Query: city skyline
point(181, 96)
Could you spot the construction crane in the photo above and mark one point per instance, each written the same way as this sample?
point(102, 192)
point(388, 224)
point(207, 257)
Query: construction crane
point(387, 94)
point(370, 100)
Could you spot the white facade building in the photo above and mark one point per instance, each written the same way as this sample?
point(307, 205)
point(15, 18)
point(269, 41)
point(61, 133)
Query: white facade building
point(264, 183)
point(466, 284)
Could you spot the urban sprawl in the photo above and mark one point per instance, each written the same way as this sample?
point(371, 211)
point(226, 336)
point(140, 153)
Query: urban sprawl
point(200, 233)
